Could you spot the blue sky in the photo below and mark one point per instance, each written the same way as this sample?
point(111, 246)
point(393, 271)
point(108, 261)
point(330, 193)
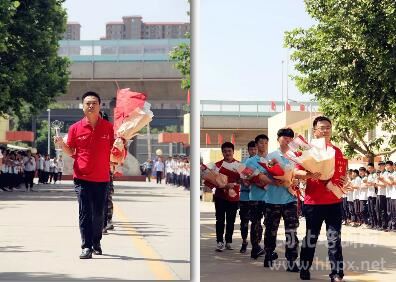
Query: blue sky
point(93, 14)
point(241, 48)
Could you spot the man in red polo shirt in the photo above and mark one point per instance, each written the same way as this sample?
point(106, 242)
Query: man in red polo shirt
point(320, 204)
point(89, 142)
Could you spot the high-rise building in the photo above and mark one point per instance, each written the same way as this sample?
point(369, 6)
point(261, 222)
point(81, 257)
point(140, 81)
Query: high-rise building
point(72, 31)
point(132, 27)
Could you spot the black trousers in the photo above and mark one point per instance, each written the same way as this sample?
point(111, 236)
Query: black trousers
point(91, 200)
point(363, 211)
point(315, 216)
point(356, 207)
point(393, 214)
point(225, 217)
point(273, 214)
point(381, 211)
point(372, 211)
point(29, 175)
point(388, 212)
point(159, 177)
point(345, 211)
point(244, 215)
point(257, 210)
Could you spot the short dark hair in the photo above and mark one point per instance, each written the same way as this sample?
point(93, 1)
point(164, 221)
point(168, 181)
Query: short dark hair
point(251, 144)
point(90, 93)
point(227, 145)
point(362, 168)
point(381, 163)
point(261, 136)
point(356, 171)
point(288, 132)
point(389, 163)
point(370, 164)
point(320, 118)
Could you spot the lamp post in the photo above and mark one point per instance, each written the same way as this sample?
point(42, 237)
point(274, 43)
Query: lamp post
point(49, 131)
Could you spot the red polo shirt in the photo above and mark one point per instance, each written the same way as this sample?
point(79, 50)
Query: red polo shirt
point(316, 192)
point(92, 157)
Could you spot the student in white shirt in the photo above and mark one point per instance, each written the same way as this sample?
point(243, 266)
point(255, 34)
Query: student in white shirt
point(46, 169)
point(389, 185)
point(29, 163)
point(381, 197)
point(60, 166)
point(168, 170)
point(354, 206)
point(40, 168)
point(371, 195)
point(363, 196)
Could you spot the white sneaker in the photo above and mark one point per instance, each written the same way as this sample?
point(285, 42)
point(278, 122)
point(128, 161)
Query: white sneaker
point(228, 246)
point(220, 246)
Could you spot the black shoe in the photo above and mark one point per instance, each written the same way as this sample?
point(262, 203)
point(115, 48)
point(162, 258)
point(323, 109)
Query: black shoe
point(292, 266)
point(274, 256)
point(86, 253)
point(97, 250)
point(336, 278)
point(305, 274)
point(268, 261)
point(256, 254)
point(110, 227)
point(243, 248)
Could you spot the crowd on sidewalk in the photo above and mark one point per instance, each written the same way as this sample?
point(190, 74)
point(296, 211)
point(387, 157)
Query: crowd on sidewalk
point(19, 168)
point(175, 170)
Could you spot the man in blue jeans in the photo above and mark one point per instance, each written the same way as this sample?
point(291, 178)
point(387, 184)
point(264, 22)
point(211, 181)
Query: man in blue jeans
point(89, 142)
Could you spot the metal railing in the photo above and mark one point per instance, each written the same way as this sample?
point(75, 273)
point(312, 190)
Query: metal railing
point(250, 108)
point(118, 50)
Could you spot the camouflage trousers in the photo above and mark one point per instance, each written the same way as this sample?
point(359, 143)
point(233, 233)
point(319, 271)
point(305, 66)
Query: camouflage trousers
point(273, 214)
point(110, 194)
point(244, 215)
point(257, 209)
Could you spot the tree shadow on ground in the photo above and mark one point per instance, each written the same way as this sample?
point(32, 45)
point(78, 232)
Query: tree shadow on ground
point(47, 276)
point(19, 249)
point(108, 256)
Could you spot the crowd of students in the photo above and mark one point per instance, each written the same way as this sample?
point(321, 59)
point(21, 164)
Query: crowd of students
point(21, 167)
point(175, 170)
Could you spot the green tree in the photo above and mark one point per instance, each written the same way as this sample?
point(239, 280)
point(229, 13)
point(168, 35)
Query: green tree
point(347, 60)
point(182, 56)
point(31, 73)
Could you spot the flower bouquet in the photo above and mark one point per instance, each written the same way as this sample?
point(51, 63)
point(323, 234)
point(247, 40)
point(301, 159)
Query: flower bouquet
point(315, 157)
point(131, 114)
point(212, 175)
point(277, 170)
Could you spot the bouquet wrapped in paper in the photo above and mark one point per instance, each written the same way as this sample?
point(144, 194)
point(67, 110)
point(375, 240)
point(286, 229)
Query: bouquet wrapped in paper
point(315, 157)
point(210, 174)
point(277, 170)
point(131, 114)
point(245, 172)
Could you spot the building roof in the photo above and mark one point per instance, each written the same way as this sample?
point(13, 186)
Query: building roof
point(114, 23)
point(164, 23)
point(135, 16)
point(74, 23)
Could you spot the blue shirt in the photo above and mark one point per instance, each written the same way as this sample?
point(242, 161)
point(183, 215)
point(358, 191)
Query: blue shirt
point(244, 195)
point(277, 194)
point(256, 193)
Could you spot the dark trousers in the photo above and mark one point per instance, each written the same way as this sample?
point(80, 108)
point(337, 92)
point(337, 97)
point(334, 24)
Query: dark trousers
point(388, 212)
point(60, 176)
point(273, 214)
point(363, 211)
point(225, 217)
point(372, 211)
point(91, 200)
point(174, 178)
point(356, 207)
point(257, 209)
point(159, 177)
point(108, 206)
point(244, 216)
point(332, 216)
point(29, 175)
point(351, 210)
point(381, 211)
point(345, 211)
point(168, 178)
point(40, 176)
point(393, 214)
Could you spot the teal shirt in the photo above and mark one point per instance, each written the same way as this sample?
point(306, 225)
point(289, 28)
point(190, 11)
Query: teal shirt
point(256, 193)
point(277, 194)
point(244, 195)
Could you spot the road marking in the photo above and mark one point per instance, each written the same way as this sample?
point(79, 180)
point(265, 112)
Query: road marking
point(159, 268)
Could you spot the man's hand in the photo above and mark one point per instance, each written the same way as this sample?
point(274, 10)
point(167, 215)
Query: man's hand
point(58, 140)
point(314, 176)
point(229, 186)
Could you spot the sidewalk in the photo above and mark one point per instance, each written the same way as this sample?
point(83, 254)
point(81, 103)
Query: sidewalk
point(40, 239)
point(368, 255)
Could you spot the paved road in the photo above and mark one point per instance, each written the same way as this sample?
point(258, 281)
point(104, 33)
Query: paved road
point(39, 235)
point(369, 255)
